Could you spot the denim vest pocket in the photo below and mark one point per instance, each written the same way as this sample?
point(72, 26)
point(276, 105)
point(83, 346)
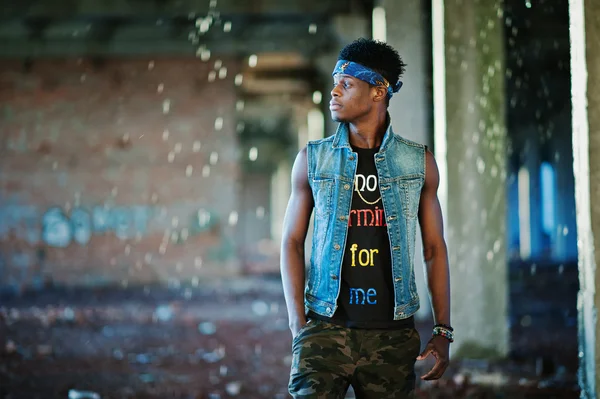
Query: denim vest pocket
point(323, 196)
point(410, 193)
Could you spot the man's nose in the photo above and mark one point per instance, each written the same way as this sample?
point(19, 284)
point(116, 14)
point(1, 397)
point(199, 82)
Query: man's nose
point(334, 91)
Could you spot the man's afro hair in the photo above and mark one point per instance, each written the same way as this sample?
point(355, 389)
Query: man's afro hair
point(375, 55)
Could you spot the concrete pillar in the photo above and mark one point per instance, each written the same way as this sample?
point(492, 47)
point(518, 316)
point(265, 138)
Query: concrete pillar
point(409, 109)
point(585, 71)
point(565, 235)
point(474, 106)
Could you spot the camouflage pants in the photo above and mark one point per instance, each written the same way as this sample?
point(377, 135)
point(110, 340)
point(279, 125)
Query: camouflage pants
point(327, 358)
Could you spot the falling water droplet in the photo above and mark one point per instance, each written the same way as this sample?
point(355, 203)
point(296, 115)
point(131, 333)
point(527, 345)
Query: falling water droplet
point(218, 123)
point(151, 65)
point(239, 78)
point(212, 75)
point(160, 88)
point(253, 154)
point(214, 158)
point(197, 146)
point(252, 60)
point(189, 170)
point(480, 165)
point(239, 105)
point(494, 171)
point(317, 97)
point(178, 148)
point(203, 53)
point(233, 218)
point(218, 64)
point(203, 24)
point(222, 73)
point(205, 171)
point(165, 135)
point(174, 221)
point(227, 27)
point(497, 245)
point(171, 156)
point(198, 264)
point(312, 29)
point(166, 106)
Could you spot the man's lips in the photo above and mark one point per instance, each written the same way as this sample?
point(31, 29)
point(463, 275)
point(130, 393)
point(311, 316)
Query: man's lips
point(333, 106)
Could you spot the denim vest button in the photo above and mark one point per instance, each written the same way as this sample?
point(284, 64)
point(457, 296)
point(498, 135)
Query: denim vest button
point(336, 247)
point(334, 277)
point(351, 158)
point(328, 309)
point(346, 186)
point(398, 278)
point(342, 217)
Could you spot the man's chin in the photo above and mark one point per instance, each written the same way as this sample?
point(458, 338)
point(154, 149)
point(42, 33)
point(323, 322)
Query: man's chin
point(337, 117)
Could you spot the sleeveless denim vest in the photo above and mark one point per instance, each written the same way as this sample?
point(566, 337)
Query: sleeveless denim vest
point(332, 165)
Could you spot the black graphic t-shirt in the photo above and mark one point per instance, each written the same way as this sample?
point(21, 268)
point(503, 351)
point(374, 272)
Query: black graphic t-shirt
point(366, 297)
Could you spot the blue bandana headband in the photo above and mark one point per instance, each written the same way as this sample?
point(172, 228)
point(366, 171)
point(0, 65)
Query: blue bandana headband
point(366, 74)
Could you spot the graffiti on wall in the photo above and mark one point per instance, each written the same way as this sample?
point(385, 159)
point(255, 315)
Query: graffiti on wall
point(59, 230)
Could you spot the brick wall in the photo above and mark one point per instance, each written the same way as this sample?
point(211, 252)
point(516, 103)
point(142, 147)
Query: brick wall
point(119, 171)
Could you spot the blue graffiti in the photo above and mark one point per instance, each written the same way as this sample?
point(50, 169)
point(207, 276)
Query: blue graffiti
point(124, 221)
point(59, 230)
point(81, 222)
point(56, 228)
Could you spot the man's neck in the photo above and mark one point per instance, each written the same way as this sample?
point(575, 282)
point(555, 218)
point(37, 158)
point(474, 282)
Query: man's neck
point(368, 133)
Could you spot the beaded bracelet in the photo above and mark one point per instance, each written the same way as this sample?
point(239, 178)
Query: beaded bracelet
point(444, 332)
point(447, 327)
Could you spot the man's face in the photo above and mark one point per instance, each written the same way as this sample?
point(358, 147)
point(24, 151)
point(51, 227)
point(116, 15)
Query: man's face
point(350, 98)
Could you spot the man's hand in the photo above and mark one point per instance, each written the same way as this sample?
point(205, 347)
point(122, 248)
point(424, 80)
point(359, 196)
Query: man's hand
point(297, 326)
point(439, 347)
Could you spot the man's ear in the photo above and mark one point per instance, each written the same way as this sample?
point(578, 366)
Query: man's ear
point(380, 93)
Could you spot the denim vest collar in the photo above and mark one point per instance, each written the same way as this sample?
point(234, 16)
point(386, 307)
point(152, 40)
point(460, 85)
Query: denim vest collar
point(342, 136)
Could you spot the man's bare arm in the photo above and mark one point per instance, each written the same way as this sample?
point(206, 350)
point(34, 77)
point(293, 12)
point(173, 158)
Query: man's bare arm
point(436, 260)
point(434, 246)
point(295, 227)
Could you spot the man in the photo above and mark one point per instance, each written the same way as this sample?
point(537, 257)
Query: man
point(352, 316)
